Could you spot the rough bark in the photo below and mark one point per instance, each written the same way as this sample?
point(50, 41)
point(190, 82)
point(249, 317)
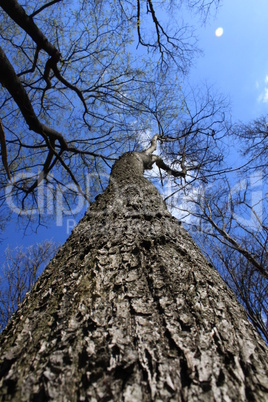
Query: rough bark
point(130, 310)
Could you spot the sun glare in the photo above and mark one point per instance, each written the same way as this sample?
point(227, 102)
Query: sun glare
point(219, 32)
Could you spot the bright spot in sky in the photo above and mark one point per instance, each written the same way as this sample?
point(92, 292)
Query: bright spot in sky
point(219, 32)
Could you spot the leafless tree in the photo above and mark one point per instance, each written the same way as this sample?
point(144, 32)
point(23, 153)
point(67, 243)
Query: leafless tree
point(230, 222)
point(253, 137)
point(250, 287)
point(19, 272)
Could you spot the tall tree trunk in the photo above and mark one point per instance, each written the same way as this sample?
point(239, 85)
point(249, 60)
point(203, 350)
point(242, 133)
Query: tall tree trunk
point(130, 310)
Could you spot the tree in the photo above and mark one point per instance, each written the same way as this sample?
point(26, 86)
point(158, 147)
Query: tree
point(254, 137)
point(19, 273)
point(130, 310)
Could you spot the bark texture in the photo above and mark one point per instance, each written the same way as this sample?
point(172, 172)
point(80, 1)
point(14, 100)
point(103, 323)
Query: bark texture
point(130, 310)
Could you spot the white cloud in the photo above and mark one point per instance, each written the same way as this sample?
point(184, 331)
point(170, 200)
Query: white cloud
point(263, 97)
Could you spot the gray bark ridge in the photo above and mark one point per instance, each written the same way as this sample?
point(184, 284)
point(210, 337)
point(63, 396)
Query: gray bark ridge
point(130, 310)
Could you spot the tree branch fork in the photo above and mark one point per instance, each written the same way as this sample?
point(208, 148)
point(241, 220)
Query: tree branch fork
point(159, 161)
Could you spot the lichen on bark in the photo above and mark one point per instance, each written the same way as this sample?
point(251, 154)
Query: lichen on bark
point(130, 310)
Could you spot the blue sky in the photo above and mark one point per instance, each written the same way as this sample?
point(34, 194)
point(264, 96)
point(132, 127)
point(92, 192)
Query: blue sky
point(235, 64)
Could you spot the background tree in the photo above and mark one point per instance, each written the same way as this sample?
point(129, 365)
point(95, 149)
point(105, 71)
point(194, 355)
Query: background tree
point(253, 136)
point(233, 233)
point(19, 273)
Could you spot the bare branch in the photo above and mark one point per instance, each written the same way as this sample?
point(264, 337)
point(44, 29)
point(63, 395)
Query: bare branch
point(44, 7)
point(162, 165)
point(4, 150)
point(153, 145)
